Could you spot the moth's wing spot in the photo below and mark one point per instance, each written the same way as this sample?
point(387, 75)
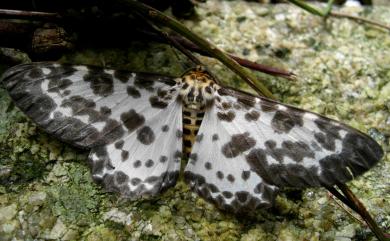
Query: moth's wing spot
point(125, 155)
point(156, 102)
point(123, 76)
point(226, 116)
point(227, 194)
point(247, 101)
point(101, 83)
point(137, 163)
point(35, 73)
point(268, 106)
point(193, 158)
point(121, 177)
point(283, 121)
point(149, 163)
point(145, 82)
point(132, 120)
point(239, 143)
point(230, 178)
point(252, 115)
point(220, 175)
point(145, 135)
point(135, 181)
point(245, 175)
point(133, 92)
point(163, 159)
point(165, 128)
point(105, 111)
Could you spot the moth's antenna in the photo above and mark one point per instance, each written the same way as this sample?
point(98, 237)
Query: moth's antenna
point(186, 52)
point(184, 64)
point(180, 47)
point(170, 40)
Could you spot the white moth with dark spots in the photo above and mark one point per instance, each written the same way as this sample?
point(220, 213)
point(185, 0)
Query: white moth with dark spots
point(241, 148)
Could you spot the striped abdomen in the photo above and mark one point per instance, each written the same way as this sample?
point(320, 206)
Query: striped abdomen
point(191, 122)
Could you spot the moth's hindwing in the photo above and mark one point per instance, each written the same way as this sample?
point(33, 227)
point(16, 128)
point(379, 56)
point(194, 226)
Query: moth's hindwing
point(252, 146)
point(128, 120)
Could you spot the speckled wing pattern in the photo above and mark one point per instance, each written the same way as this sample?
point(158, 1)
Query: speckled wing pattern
point(247, 147)
point(132, 122)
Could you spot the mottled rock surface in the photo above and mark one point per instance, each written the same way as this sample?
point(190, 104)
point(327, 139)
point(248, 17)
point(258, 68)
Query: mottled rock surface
point(46, 191)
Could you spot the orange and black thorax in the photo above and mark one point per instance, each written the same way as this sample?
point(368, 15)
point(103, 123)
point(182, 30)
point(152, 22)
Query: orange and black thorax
point(197, 94)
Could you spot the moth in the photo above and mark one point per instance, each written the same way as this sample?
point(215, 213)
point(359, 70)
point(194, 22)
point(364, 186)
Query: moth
point(241, 148)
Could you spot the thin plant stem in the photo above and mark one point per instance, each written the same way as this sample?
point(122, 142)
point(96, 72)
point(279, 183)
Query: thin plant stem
point(9, 13)
point(362, 211)
point(347, 209)
point(342, 198)
point(176, 26)
point(329, 7)
point(360, 19)
point(329, 13)
point(307, 7)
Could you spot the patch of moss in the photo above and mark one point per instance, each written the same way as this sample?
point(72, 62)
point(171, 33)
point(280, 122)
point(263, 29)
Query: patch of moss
point(8, 114)
point(20, 150)
point(76, 199)
point(100, 233)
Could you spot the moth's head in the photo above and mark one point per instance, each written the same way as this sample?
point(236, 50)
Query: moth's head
point(197, 89)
